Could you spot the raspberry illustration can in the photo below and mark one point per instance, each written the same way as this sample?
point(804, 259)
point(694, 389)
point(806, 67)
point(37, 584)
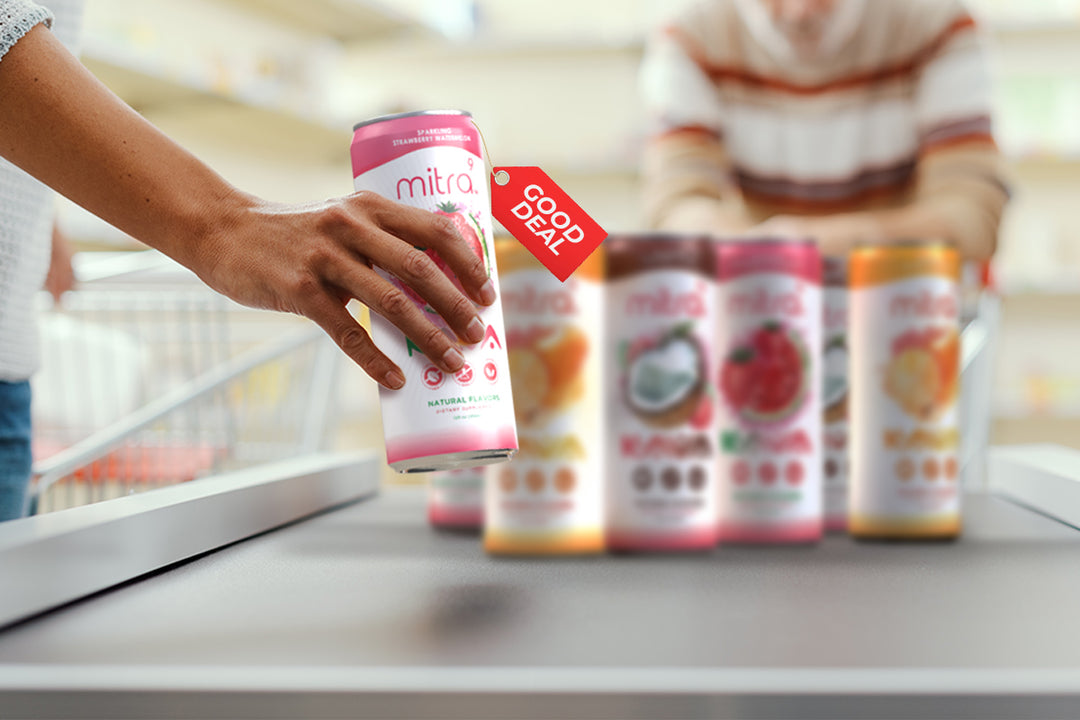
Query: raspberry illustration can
point(661, 493)
point(549, 500)
point(433, 160)
point(456, 499)
point(905, 378)
point(769, 339)
point(834, 394)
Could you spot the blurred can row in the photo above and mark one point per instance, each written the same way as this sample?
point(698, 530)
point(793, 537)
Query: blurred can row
point(679, 391)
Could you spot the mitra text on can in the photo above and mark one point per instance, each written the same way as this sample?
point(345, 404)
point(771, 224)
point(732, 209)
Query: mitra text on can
point(433, 160)
point(905, 378)
point(769, 340)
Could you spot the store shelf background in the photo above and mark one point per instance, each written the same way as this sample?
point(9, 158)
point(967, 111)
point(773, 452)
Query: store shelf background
point(267, 90)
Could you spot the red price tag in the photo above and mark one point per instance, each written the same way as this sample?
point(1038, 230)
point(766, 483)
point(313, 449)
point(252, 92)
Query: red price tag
point(543, 218)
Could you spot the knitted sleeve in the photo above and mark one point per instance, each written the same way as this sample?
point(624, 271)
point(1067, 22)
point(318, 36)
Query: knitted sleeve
point(17, 17)
point(686, 174)
point(960, 170)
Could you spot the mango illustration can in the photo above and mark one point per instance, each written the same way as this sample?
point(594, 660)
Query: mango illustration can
point(661, 493)
point(434, 160)
point(549, 500)
point(905, 377)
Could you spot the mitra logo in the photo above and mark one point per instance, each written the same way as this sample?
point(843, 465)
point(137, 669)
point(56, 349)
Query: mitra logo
point(530, 301)
point(667, 303)
point(763, 302)
point(924, 305)
point(434, 184)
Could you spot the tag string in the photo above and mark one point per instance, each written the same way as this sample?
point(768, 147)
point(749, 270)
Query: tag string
point(487, 155)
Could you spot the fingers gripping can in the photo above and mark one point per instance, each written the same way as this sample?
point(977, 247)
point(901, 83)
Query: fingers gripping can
point(769, 340)
point(662, 451)
point(550, 498)
point(834, 396)
point(905, 378)
point(434, 160)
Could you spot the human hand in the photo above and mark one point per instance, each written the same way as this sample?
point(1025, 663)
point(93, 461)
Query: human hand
point(312, 259)
point(61, 276)
point(835, 234)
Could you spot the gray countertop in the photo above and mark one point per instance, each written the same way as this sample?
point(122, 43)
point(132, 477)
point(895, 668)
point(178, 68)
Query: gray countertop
point(366, 612)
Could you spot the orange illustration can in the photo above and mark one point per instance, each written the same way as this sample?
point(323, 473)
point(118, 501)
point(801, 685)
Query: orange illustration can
point(549, 500)
point(904, 344)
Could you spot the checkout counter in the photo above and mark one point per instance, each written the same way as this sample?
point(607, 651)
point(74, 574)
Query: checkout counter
point(302, 590)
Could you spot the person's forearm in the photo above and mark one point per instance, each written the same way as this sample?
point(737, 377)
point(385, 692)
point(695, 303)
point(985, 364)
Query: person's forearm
point(704, 214)
point(63, 127)
point(687, 185)
point(145, 184)
point(947, 219)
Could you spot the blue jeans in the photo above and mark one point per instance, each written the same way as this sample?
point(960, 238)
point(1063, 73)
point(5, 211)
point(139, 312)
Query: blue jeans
point(15, 451)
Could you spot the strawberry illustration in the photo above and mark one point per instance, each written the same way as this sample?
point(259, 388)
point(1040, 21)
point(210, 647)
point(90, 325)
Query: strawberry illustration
point(704, 413)
point(763, 378)
point(462, 225)
point(469, 229)
point(736, 377)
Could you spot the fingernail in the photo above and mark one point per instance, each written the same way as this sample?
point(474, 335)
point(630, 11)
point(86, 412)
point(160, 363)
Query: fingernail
point(487, 293)
point(475, 332)
point(453, 359)
point(394, 380)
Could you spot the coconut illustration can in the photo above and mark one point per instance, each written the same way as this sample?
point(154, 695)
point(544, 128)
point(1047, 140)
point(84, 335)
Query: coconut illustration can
point(549, 500)
point(661, 491)
point(434, 160)
point(769, 339)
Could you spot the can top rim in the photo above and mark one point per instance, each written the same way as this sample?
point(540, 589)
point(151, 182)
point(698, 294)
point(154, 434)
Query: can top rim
point(764, 240)
point(864, 246)
point(414, 113)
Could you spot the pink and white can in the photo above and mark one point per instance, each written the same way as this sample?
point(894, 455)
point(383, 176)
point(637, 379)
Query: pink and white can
point(456, 499)
point(661, 493)
point(769, 337)
point(834, 393)
point(434, 160)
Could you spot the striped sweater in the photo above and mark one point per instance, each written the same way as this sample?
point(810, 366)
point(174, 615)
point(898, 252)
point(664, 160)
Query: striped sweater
point(896, 113)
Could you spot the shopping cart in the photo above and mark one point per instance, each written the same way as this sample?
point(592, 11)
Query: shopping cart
point(150, 379)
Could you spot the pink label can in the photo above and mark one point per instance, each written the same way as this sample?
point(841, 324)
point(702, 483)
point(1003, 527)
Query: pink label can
point(769, 340)
point(661, 493)
point(834, 392)
point(456, 499)
point(434, 160)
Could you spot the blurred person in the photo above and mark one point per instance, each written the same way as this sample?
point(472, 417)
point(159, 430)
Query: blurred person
point(847, 121)
point(60, 125)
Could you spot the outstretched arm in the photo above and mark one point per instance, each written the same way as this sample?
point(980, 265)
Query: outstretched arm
point(61, 125)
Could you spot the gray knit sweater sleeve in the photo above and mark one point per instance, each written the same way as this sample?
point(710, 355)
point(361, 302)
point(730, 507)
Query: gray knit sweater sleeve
point(16, 19)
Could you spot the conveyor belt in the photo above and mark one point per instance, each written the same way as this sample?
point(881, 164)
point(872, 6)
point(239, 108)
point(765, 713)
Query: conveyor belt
point(366, 612)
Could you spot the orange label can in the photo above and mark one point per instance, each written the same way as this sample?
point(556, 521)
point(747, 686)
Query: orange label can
point(905, 377)
point(549, 500)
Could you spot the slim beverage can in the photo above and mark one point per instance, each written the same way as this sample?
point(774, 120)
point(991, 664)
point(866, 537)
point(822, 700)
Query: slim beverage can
point(456, 499)
point(434, 160)
point(661, 493)
point(905, 376)
point(549, 499)
point(834, 395)
point(769, 339)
